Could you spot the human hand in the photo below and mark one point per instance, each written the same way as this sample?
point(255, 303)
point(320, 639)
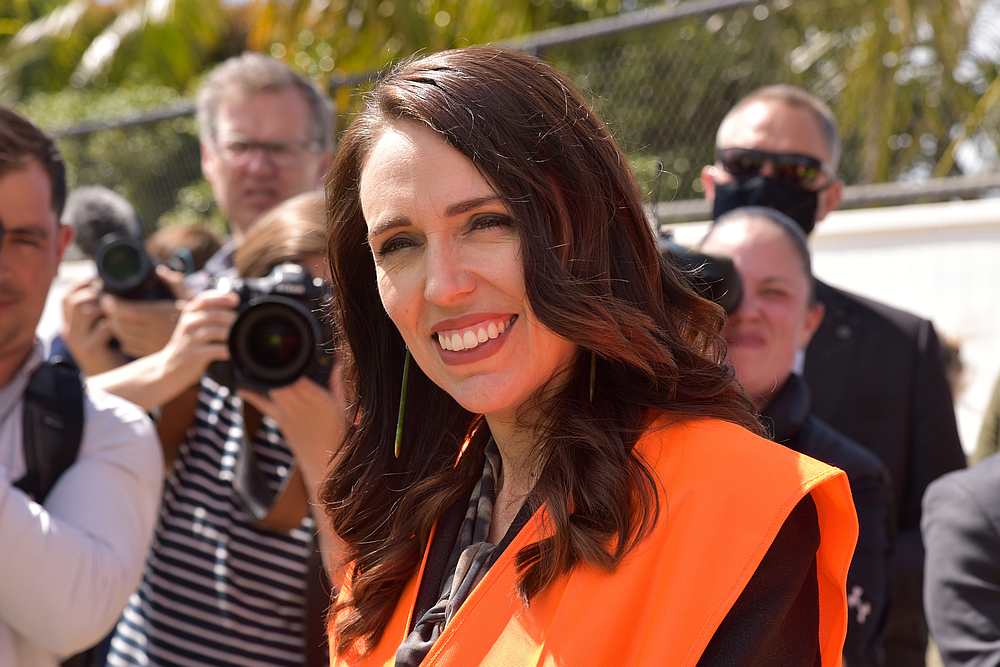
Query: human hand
point(144, 327)
point(312, 418)
point(86, 331)
point(314, 421)
point(201, 335)
point(141, 327)
point(175, 281)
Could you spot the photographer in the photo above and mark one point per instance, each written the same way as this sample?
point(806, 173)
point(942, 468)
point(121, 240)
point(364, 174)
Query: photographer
point(231, 559)
point(874, 372)
point(85, 338)
point(84, 335)
point(266, 134)
point(775, 317)
point(80, 471)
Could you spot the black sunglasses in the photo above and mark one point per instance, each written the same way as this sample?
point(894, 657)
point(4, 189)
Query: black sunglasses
point(791, 168)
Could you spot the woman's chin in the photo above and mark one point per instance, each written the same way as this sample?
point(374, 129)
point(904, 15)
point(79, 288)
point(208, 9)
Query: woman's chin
point(484, 398)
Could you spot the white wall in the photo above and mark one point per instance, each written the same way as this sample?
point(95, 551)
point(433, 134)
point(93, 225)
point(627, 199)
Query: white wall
point(941, 261)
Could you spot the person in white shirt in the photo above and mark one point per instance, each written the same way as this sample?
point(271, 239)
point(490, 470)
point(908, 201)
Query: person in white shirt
point(69, 564)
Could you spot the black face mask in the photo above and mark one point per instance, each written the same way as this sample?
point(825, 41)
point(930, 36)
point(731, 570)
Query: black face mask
point(796, 202)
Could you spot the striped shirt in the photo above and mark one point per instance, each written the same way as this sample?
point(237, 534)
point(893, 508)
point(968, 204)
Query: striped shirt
point(217, 589)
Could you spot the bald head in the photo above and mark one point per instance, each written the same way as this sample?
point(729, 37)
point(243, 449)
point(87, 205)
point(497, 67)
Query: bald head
point(782, 119)
point(754, 225)
point(778, 147)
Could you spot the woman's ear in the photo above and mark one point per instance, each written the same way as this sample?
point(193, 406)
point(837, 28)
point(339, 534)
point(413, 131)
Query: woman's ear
point(814, 317)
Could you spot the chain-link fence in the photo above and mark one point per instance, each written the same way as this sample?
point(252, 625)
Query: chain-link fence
point(152, 160)
point(662, 78)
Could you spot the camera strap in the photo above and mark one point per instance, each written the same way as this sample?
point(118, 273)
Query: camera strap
point(251, 488)
point(260, 501)
point(52, 426)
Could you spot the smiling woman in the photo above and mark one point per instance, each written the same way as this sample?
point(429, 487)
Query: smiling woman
point(448, 266)
point(566, 385)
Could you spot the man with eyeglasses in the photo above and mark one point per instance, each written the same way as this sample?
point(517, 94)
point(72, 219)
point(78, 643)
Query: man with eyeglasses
point(266, 135)
point(875, 373)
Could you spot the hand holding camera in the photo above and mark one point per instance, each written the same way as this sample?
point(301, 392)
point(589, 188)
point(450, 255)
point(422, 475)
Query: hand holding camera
point(280, 333)
point(86, 332)
point(139, 296)
point(200, 336)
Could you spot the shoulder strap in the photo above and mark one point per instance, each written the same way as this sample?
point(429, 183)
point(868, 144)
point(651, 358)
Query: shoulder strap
point(52, 426)
point(249, 482)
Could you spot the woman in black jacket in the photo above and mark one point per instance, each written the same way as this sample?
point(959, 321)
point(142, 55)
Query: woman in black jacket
point(765, 334)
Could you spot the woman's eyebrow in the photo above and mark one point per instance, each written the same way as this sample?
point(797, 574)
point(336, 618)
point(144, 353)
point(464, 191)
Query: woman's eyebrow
point(457, 208)
point(470, 204)
point(387, 224)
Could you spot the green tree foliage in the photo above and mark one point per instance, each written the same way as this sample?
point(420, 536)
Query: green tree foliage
point(47, 45)
point(64, 62)
point(97, 44)
point(899, 74)
point(147, 164)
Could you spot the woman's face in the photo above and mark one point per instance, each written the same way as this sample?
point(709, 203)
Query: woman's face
point(774, 320)
point(449, 271)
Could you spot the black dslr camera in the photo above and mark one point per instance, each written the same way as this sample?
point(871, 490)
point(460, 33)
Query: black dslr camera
point(127, 271)
point(280, 333)
point(712, 277)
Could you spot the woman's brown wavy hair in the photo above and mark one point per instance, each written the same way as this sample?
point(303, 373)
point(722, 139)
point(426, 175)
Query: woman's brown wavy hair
point(593, 275)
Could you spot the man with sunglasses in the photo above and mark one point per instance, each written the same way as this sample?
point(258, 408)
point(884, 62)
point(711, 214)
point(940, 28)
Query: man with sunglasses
point(875, 373)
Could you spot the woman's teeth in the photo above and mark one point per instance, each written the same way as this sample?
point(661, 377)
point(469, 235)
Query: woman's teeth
point(472, 337)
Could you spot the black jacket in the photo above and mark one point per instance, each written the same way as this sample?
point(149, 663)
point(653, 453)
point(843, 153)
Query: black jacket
point(961, 525)
point(791, 424)
point(876, 375)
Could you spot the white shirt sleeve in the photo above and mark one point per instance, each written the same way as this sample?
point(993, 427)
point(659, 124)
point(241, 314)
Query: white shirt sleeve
point(69, 567)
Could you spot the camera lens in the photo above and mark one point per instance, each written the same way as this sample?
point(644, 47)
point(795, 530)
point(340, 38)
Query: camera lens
point(122, 265)
point(273, 341)
point(122, 262)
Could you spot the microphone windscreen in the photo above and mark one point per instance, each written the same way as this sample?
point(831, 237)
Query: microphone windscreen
point(94, 212)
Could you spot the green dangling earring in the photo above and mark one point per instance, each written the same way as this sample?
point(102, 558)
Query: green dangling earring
point(402, 402)
point(593, 374)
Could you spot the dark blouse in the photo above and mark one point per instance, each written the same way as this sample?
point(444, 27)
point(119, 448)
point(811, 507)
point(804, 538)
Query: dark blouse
point(775, 621)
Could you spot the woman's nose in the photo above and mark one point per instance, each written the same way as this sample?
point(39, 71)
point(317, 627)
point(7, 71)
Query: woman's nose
point(447, 278)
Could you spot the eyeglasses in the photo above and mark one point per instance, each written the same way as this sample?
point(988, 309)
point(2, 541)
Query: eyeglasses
point(792, 168)
point(281, 153)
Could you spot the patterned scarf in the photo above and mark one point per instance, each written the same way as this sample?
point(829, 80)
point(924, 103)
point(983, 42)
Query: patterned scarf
point(468, 563)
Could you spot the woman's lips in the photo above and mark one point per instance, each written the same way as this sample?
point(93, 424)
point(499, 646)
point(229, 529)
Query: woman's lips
point(475, 342)
point(473, 335)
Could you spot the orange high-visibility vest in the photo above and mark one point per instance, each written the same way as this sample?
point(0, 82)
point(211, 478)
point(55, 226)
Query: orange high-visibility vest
point(724, 495)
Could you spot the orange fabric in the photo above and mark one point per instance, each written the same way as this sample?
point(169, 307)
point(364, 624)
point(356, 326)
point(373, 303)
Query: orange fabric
point(725, 493)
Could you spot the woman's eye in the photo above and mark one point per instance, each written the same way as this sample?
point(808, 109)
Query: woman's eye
point(394, 244)
point(489, 221)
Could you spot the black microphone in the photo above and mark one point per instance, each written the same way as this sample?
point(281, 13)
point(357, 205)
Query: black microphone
point(95, 212)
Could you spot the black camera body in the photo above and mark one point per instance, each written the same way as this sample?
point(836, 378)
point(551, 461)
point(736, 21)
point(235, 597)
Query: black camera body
point(280, 333)
point(127, 271)
point(712, 277)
